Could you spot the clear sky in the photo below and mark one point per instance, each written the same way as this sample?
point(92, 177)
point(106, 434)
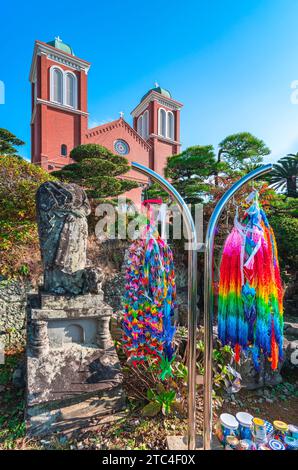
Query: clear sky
point(230, 62)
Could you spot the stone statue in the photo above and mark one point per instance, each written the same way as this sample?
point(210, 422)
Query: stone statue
point(71, 361)
point(62, 210)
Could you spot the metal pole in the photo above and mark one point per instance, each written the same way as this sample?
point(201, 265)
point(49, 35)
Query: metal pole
point(209, 297)
point(192, 295)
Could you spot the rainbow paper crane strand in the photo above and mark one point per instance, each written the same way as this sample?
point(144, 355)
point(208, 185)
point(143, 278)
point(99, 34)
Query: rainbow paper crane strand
point(250, 309)
point(149, 301)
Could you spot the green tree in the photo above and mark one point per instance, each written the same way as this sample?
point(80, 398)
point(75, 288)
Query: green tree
point(98, 170)
point(190, 171)
point(283, 216)
point(19, 249)
point(8, 142)
point(242, 151)
point(284, 175)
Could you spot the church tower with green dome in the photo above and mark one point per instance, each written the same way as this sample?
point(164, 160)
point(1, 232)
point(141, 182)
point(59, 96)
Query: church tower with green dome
point(157, 120)
point(59, 117)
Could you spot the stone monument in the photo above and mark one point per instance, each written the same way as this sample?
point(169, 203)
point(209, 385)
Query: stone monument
point(73, 371)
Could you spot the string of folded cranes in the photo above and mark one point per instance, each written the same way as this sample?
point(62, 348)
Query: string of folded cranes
point(250, 306)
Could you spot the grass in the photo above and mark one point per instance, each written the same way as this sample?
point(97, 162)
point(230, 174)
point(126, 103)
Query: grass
point(12, 404)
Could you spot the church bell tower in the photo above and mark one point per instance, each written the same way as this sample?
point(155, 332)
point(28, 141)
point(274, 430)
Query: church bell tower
point(157, 120)
point(59, 103)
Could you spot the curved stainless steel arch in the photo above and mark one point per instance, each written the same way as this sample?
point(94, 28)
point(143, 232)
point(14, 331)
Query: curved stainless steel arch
point(209, 297)
point(192, 294)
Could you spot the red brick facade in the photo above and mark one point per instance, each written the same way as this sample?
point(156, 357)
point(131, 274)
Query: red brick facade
point(59, 119)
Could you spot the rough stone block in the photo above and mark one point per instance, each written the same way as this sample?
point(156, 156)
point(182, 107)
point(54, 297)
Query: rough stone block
point(47, 314)
point(72, 385)
point(60, 302)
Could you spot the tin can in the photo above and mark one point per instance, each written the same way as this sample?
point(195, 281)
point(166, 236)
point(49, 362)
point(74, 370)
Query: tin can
point(280, 430)
point(291, 443)
point(263, 447)
point(259, 430)
point(269, 429)
point(293, 431)
point(246, 444)
point(245, 425)
point(231, 443)
point(226, 426)
point(274, 444)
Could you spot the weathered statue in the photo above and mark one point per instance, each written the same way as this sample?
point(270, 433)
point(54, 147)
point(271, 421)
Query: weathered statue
point(63, 231)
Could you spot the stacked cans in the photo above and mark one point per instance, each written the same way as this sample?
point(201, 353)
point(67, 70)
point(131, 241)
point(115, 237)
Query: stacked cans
point(248, 433)
point(259, 430)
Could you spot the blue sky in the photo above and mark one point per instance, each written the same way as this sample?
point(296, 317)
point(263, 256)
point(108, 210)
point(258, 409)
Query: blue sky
point(230, 62)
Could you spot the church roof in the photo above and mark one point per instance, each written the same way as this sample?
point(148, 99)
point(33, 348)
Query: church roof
point(59, 44)
point(160, 90)
point(103, 128)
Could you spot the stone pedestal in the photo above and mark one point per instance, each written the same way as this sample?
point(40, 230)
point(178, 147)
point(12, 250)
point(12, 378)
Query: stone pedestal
point(73, 371)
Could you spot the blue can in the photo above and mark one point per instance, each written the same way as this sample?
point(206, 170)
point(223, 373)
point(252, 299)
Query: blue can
point(226, 426)
point(291, 443)
point(293, 431)
point(245, 425)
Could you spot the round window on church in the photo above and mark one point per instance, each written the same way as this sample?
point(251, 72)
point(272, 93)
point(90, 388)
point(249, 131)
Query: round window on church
point(121, 147)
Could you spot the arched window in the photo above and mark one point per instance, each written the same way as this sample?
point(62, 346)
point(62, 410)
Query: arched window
point(70, 89)
point(170, 125)
point(57, 85)
point(64, 150)
point(162, 124)
point(63, 87)
point(145, 125)
point(140, 125)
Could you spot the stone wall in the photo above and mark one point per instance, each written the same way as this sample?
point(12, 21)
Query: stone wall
point(291, 295)
point(13, 300)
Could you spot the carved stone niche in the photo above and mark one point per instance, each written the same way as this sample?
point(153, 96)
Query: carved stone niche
point(63, 320)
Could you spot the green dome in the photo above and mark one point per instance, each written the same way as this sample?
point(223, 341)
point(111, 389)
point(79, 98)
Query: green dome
point(160, 90)
point(59, 44)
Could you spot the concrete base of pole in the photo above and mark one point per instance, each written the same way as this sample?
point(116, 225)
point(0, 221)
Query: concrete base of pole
point(180, 443)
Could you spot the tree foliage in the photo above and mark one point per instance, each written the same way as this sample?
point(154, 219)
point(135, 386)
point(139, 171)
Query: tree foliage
point(197, 172)
point(283, 216)
point(284, 175)
point(98, 170)
point(242, 151)
point(19, 181)
point(189, 171)
point(9, 142)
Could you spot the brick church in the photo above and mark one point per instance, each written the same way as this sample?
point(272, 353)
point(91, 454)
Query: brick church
point(59, 120)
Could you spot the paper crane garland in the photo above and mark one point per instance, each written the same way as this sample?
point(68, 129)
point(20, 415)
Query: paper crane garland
point(250, 310)
point(149, 300)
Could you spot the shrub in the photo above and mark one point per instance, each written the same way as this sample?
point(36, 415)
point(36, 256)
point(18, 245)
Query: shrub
point(19, 180)
point(97, 170)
